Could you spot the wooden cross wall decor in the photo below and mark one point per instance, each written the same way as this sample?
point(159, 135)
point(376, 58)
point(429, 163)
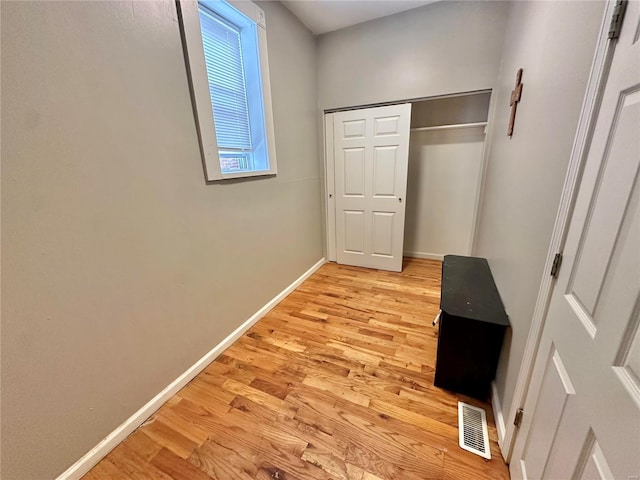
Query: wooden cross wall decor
point(516, 95)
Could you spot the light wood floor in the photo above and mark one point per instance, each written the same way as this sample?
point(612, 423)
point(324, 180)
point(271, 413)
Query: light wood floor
point(335, 383)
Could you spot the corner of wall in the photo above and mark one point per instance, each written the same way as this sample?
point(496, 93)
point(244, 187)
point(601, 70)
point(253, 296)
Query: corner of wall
point(498, 417)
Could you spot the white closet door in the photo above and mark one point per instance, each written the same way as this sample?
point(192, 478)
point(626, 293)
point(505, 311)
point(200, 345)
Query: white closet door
point(582, 413)
point(371, 152)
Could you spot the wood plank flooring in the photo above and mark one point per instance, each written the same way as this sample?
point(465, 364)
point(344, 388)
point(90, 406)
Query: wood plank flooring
point(335, 383)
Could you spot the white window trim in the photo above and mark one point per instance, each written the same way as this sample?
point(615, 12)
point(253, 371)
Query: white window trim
point(200, 87)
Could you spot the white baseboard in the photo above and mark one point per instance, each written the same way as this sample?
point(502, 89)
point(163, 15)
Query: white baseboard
point(93, 456)
point(497, 415)
point(428, 256)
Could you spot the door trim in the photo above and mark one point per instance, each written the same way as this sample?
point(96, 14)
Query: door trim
point(330, 194)
point(484, 162)
point(586, 123)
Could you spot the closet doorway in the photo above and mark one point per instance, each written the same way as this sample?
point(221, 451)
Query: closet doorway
point(438, 192)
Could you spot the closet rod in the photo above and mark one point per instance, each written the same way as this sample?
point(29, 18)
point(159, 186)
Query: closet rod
point(449, 127)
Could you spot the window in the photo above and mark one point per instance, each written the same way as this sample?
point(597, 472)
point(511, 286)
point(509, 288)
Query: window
point(226, 46)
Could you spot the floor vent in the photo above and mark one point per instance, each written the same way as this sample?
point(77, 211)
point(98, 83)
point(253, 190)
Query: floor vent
point(472, 427)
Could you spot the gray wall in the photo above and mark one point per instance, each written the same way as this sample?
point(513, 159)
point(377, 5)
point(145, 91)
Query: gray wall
point(121, 267)
point(440, 48)
point(451, 110)
point(442, 190)
point(554, 43)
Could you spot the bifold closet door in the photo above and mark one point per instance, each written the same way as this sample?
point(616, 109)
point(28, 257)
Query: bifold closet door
point(371, 152)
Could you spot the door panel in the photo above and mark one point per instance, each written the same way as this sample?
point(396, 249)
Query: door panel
point(382, 224)
point(605, 217)
point(387, 125)
point(384, 171)
point(354, 128)
point(354, 231)
point(371, 152)
point(354, 171)
point(629, 366)
point(555, 391)
point(588, 425)
point(595, 464)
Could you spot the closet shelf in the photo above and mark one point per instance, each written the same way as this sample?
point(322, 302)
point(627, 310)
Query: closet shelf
point(449, 127)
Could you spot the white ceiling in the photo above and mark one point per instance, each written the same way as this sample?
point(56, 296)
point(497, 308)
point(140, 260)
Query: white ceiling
point(322, 16)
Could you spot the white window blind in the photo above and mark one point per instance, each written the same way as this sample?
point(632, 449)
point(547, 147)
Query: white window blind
point(227, 85)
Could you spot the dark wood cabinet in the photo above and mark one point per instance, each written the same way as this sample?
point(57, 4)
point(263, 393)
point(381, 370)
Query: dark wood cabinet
point(472, 327)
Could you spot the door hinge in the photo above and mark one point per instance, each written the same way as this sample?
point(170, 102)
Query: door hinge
point(555, 266)
point(617, 18)
point(518, 420)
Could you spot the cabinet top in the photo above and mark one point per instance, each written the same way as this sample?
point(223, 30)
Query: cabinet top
point(468, 290)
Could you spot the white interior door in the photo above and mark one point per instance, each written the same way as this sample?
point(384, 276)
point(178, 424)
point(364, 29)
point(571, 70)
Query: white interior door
point(582, 413)
point(371, 154)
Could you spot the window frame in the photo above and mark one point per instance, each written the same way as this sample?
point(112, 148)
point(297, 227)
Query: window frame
point(194, 55)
